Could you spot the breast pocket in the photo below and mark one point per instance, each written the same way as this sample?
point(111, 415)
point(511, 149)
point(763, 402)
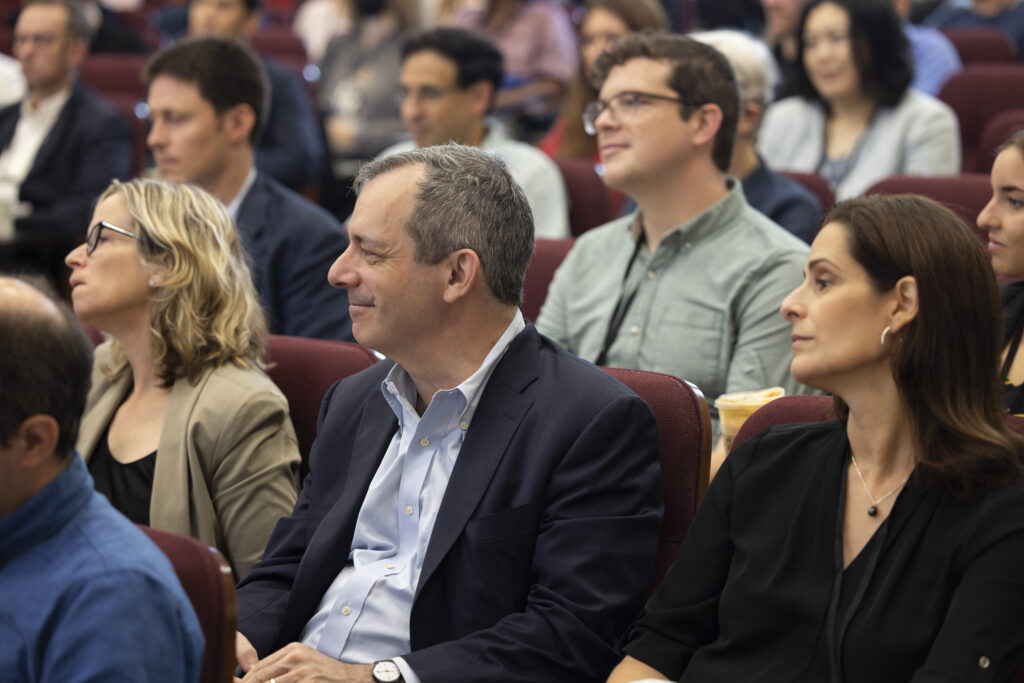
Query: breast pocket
point(496, 526)
point(688, 342)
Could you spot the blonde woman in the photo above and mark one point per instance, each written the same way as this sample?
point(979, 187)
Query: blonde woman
point(183, 431)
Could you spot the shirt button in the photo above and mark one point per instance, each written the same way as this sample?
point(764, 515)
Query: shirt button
point(984, 662)
point(686, 245)
point(346, 610)
point(389, 566)
point(424, 442)
point(634, 330)
point(391, 389)
point(651, 274)
point(408, 509)
point(463, 425)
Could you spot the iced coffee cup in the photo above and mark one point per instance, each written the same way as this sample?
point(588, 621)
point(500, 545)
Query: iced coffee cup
point(735, 408)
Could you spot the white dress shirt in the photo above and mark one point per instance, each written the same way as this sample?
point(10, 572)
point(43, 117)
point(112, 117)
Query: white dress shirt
point(34, 124)
point(364, 615)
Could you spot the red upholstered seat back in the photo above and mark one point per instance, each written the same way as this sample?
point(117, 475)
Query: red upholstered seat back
point(684, 430)
point(304, 369)
point(208, 582)
point(965, 194)
point(547, 256)
point(977, 94)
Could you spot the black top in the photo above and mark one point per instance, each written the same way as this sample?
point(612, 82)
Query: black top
point(128, 486)
point(1013, 322)
point(758, 591)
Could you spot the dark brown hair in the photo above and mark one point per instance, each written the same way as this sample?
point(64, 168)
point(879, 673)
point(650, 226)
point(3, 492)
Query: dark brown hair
point(700, 75)
point(945, 362)
point(880, 50)
point(637, 15)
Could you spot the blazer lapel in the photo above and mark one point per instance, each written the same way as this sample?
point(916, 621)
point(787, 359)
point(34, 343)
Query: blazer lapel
point(178, 471)
point(99, 415)
point(329, 547)
point(498, 416)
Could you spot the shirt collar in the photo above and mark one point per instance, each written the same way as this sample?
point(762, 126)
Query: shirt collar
point(236, 203)
point(48, 106)
point(470, 389)
point(721, 213)
point(47, 512)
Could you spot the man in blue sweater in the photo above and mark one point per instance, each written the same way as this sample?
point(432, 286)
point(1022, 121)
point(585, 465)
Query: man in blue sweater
point(78, 581)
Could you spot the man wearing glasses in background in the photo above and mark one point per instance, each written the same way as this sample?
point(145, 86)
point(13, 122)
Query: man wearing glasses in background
point(690, 285)
point(446, 89)
point(61, 144)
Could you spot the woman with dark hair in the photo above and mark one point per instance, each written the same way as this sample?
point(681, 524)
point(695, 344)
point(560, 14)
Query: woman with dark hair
point(884, 545)
point(1003, 219)
point(606, 22)
point(855, 119)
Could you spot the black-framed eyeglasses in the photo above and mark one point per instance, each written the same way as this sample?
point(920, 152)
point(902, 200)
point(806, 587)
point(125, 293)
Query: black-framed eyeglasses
point(622, 106)
point(92, 240)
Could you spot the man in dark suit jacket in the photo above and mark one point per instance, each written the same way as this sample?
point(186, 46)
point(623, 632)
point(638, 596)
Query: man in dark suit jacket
point(206, 98)
point(290, 148)
point(86, 146)
point(485, 508)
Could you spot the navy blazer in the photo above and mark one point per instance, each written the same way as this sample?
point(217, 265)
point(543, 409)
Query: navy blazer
point(544, 544)
point(291, 147)
point(87, 147)
point(293, 243)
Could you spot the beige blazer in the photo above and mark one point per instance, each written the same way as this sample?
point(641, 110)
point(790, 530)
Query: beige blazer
point(227, 463)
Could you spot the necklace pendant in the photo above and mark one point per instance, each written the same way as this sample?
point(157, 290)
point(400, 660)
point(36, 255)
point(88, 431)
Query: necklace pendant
point(872, 511)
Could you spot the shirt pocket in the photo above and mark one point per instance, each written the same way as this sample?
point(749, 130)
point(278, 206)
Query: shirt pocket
point(687, 342)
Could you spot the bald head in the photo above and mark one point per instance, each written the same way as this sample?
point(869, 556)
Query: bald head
point(47, 356)
point(19, 295)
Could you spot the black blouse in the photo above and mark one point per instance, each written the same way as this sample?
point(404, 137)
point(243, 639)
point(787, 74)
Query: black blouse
point(128, 486)
point(1013, 324)
point(758, 591)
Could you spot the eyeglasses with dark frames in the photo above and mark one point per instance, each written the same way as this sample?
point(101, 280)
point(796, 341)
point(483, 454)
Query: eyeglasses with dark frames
point(622, 106)
point(92, 240)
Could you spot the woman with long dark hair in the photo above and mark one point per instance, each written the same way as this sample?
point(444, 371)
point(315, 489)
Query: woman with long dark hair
point(884, 545)
point(855, 119)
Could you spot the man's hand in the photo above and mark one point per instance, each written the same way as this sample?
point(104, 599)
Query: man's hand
point(296, 662)
point(245, 653)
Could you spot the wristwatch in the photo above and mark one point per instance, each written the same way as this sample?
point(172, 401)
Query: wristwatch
point(386, 671)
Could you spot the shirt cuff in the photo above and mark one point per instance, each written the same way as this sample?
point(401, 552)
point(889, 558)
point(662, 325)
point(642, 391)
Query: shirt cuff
point(408, 675)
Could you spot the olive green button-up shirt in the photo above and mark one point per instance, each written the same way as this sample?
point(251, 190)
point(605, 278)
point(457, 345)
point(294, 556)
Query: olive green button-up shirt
point(706, 303)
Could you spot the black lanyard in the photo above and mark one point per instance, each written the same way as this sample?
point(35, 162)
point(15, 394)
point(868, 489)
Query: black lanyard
point(621, 307)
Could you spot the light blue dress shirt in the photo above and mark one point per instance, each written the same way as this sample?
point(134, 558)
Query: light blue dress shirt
point(364, 615)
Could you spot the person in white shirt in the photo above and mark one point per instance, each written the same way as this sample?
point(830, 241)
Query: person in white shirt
point(447, 85)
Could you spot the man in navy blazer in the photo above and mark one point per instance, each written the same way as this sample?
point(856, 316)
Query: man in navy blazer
point(291, 147)
point(85, 142)
point(487, 506)
point(206, 104)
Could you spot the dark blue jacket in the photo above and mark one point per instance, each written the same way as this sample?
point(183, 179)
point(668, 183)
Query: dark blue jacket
point(291, 147)
point(544, 544)
point(87, 147)
point(293, 243)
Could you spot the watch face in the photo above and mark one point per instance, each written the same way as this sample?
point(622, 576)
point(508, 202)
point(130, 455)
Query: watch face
point(386, 671)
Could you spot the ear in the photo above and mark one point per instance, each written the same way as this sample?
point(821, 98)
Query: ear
point(238, 123)
point(38, 436)
point(463, 272)
point(252, 23)
point(708, 119)
point(750, 120)
point(481, 94)
point(905, 303)
point(79, 49)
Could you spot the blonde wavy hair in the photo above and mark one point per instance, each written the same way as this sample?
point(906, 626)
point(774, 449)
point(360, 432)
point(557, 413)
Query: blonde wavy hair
point(205, 312)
